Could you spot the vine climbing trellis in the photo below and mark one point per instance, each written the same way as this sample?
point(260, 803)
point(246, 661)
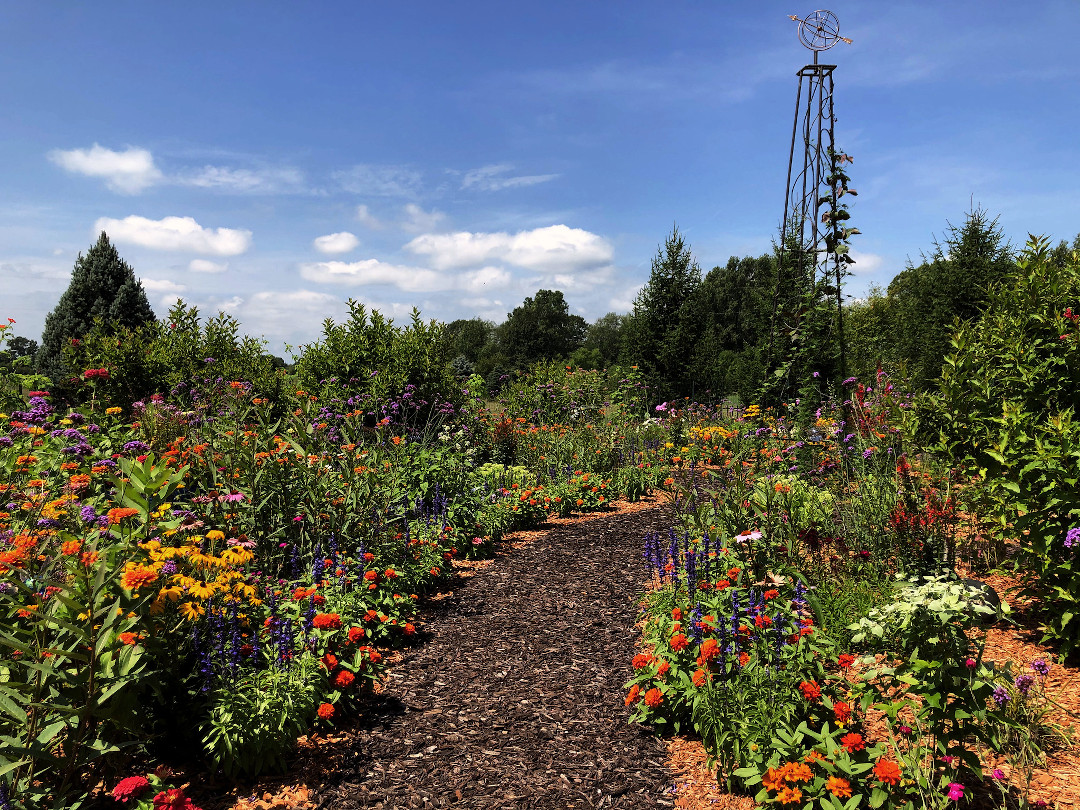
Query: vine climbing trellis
point(813, 250)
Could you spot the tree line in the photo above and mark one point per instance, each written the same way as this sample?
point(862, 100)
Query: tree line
point(751, 328)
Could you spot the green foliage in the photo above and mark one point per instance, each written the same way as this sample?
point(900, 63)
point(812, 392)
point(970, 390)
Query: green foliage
point(661, 327)
point(368, 354)
point(1008, 401)
point(541, 329)
point(102, 286)
point(254, 721)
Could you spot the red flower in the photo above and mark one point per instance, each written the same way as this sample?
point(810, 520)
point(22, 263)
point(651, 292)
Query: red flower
point(853, 742)
point(700, 678)
point(327, 621)
point(632, 696)
point(810, 690)
point(642, 660)
point(329, 661)
point(326, 711)
point(710, 648)
point(772, 593)
point(344, 679)
point(371, 576)
point(663, 669)
point(653, 698)
point(842, 712)
point(679, 642)
point(846, 660)
point(409, 628)
point(887, 771)
point(173, 799)
point(130, 788)
point(355, 634)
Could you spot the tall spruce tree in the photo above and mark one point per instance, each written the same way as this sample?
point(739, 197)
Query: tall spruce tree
point(662, 328)
point(102, 285)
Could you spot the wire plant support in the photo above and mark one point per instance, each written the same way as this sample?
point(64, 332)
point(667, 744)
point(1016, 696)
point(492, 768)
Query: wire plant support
point(809, 227)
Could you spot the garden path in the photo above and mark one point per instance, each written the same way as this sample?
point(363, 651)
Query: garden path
point(513, 697)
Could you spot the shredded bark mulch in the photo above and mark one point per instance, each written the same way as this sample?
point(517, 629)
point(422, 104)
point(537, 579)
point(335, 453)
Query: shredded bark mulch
point(513, 697)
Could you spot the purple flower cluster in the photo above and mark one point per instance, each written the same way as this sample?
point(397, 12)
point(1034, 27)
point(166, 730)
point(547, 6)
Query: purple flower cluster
point(1072, 537)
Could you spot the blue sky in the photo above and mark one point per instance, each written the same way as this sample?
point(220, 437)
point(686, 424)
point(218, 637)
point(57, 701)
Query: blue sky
point(272, 159)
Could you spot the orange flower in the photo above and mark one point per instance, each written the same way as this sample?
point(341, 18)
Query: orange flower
point(344, 679)
point(329, 661)
point(129, 638)
point(642, 660)
point(810, 690)
point(710, 648)
point(744, 659)
point(326, 711)
point(327, 621)
point(88, 558)
point(121, 513)
point(853, 742)
point(887, 771)
point(797, 772)
point(679, 642)
point(846, 660)
point(700, 678)
point(663, 669)
point(136, 577)
point(71, 547)
point(632, 696)
point(838, 787)
point(78, 483)
point(789, 795)
point(653, 698)
point(773, 779)
point(355, 634)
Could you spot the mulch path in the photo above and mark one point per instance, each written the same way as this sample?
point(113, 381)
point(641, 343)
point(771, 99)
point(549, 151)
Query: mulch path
point(513, 696)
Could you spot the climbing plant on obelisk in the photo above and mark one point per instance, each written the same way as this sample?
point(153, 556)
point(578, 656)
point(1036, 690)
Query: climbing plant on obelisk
point(806, 342)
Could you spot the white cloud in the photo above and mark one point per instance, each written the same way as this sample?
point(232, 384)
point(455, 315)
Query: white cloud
point(175, 233)
point(207, 266)
point(373, 271)
point(418, 220)
point(405, 278)
point(365, 218)
point(292, 315)
point(127, 172)
point(553, 249)
point(492, 178)
point(245, 181)
point(380, 181)
point(336, 242)
point(865, 263)
point(155, 285)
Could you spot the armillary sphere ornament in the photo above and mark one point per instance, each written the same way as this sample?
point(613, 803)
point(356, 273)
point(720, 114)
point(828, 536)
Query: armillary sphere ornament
point(820, 30)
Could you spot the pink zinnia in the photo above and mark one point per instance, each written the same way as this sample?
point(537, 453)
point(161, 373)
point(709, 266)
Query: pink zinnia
point(130, 788)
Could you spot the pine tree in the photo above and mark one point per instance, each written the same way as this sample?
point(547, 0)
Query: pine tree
point(102, 285)
point(661, 330)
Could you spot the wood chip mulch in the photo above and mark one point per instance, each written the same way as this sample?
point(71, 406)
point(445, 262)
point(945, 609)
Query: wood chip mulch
point(512, 697)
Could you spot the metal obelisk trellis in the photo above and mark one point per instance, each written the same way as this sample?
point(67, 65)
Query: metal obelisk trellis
point(810, 185)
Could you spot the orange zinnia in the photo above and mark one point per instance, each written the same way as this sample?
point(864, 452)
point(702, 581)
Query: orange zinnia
point(773, 779)
point(853, 742)
point(632, 696)
point(842, 712)
point(679, 642)
point(838, 787)
point(653, 698)
point(326, 711)
point(121, 513)
point(887, 771)
point(137, 576)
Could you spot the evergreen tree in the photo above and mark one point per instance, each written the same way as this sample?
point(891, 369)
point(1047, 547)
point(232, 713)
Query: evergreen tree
point(662, 329)
point(102, 286)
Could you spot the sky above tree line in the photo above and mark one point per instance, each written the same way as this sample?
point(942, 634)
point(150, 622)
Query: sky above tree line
point(272, 160)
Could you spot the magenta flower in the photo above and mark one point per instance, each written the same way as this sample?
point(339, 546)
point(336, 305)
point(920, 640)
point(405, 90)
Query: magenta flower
point(956, 791)
point(998, 773)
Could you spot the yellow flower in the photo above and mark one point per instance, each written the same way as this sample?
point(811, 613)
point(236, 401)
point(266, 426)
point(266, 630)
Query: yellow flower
point(190, 611)
point(113, 411)
point(202, 590)
point(214, 535)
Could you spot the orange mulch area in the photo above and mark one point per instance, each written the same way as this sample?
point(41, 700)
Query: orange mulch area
point(1058, 784)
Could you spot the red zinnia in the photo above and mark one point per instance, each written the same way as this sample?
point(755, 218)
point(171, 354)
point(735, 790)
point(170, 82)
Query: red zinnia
point(327, 621)
point(632, 696)
point(642, 660)
point(326, 711)
point(355, 634)
point(887, 771)
point(810, 690)
point(130, 788)
point(173, 799)
point(846, 660)
point(710, 648)
point(653, 698)
point(842, 712)
point(853, 742)
point(678, 642)
point(344, 679)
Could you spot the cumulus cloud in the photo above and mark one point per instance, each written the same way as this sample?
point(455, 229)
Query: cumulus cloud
point(365, 218)
point(494, 178)
point(175, 233)
point(207, 266)
point(379, 181)
point(127, 172)
point(865, 263)
point(336, 242)
point(164, 286)
point(554, 249)
point(417, 220)
point(244, 181)
point(405, 278)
